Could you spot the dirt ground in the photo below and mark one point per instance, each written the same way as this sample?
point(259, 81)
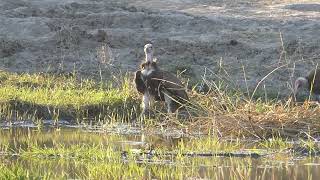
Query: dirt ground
point(239, 42)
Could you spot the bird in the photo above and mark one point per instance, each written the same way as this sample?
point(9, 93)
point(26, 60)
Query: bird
point(158, 85)
point(310, 82)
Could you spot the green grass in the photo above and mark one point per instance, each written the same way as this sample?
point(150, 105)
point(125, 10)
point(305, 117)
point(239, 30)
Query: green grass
point(18, 172)
point(41, 96)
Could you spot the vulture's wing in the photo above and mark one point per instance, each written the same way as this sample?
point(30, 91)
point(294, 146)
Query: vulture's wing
point(140, 86)
point(172, 84)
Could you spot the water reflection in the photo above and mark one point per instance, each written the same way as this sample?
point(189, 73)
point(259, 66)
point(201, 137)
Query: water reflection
point(88, 154)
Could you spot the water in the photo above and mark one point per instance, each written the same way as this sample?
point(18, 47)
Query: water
point(124, 152)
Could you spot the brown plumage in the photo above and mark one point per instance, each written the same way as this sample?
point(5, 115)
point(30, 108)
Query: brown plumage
point(140, 86)
point(156, 84)
point(310, 82)
point(145, 82)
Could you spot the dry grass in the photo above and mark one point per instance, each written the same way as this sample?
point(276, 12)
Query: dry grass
point(226, 111)
point(273, 120)
point(225, 114)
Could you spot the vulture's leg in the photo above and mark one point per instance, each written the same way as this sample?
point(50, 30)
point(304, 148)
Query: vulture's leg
point(168, 100)
point(147, 101)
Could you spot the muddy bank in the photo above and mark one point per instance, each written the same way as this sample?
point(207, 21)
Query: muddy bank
point(221, 36)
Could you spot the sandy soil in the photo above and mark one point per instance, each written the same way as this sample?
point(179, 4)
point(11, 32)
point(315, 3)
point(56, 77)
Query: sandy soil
point(220, 39)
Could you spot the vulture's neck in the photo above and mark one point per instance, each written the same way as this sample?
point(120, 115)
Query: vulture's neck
point(149, 57)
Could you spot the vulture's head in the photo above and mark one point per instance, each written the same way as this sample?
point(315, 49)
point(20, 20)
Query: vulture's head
point(299, 84)
point(148, 49)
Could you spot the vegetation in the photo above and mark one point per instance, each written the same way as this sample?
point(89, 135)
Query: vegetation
point(219, 110)
point(75, 153)
point(196, 149)
point(38, 96)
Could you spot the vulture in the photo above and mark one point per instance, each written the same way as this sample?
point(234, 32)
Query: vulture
point(311, 82)
point(158, 85)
